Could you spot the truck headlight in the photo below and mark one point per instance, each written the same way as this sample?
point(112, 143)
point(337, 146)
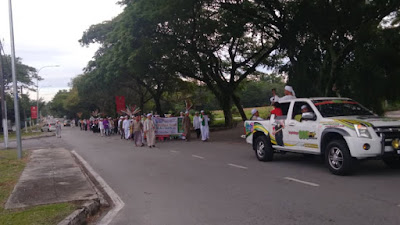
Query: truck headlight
point(362, 131)
point(396, 144)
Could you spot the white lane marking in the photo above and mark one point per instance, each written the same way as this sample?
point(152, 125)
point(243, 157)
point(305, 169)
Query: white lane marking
point(173, 151)
point(197, 156)
point(237, 166)
point(301, 181)
point(117, 201)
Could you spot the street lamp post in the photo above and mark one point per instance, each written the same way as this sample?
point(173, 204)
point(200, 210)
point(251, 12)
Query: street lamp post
point(15, 89)
point(37, 92)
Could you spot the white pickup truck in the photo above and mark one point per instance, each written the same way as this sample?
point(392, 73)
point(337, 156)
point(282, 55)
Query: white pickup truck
point(339, 129)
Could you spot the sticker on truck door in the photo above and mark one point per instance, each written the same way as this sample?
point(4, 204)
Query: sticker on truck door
point(305, 134)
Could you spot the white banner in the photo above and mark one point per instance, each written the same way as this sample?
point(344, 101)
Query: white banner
point(168, 126)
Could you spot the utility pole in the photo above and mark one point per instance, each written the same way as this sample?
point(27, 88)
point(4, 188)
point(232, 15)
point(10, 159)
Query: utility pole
point(15, 88)
point(3, 102)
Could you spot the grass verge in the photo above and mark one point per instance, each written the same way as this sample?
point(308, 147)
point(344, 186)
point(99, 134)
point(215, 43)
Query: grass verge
point(12, 135)
point(219, 121)
point(11, 168)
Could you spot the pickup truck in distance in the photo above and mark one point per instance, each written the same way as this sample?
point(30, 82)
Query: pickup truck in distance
point(338, 129)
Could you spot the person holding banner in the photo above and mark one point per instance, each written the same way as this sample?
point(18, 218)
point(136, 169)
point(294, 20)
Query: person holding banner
point(205, 131)
point(186, 126)
point(150, 131)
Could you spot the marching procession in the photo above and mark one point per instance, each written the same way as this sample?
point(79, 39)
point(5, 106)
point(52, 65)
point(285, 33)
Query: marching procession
point(144, 129)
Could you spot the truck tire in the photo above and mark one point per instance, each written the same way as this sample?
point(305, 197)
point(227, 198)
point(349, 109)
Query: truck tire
point(338, 158)
point(264, 151)
point(392, 162)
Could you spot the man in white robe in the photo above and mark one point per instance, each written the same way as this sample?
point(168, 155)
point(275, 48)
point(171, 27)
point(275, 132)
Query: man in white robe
point(149, 128)
point(205, 130)
point(196, 124)
point(289, 94)
point(126, 126)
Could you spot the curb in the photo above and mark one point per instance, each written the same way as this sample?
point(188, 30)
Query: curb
point(79, 216)
point(39, 136)
point(89, 208)
point(102, 200)
point(107, 197)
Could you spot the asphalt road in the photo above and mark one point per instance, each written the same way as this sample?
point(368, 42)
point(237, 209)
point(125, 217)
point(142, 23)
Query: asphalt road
point(221, 182)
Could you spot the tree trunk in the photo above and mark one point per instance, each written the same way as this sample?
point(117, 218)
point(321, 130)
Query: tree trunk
point(141, 102)
point(157, 101)
point(226, 103)
point(239, 106)
point(228, 116)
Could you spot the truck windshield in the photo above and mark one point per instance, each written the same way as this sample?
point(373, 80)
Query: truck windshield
point(332, 108)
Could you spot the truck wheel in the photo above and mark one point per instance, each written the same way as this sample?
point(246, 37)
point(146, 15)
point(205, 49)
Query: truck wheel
point(392, 162)
point(264, 151)
point(338, 158)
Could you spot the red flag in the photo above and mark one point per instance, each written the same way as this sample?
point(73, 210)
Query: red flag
point(33, 112)
point(120, 102)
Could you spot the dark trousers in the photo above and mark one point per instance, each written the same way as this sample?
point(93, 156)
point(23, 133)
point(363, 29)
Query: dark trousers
point(198, 133)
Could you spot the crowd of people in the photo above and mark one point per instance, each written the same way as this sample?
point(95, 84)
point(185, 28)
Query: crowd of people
point(142, 129)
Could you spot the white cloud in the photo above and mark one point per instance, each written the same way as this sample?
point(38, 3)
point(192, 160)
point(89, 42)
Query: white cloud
point(47, 33)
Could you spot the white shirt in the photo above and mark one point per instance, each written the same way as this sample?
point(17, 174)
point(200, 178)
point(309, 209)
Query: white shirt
point(125, 124)
point(149, 125)
point(119, 122)
point(256, 118)
point(274, 99)
point(287, 97)
point(196, 122)
point(206, 119)
point(101, 125)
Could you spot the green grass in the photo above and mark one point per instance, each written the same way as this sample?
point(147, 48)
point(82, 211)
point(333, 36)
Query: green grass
point(221, 123)
point(12, 135)
point(10, 170)
point(219, 114)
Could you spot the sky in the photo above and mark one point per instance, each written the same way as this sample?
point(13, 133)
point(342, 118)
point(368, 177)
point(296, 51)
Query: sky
point(46, 33)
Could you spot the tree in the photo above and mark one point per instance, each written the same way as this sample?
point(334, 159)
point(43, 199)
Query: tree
point(321, 40)
point(57, 104)
point(208, 41)
point(122, 63)
point(25, 74)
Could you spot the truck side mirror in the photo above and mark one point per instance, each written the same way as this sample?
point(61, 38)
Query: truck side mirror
point(308, 116)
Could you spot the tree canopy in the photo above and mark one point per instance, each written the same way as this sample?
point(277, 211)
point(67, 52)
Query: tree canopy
point(161, 52)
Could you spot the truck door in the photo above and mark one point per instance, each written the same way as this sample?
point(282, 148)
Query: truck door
point(302, 132)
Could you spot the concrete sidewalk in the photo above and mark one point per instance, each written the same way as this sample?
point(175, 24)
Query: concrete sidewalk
point(51, 176)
